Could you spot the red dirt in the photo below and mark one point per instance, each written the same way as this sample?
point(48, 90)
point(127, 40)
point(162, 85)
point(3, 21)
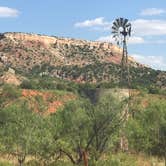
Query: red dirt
point(115, 59)
point(52, 102)
point(54, 106)
point(145, 103)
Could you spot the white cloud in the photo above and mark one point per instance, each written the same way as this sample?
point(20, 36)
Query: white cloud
point(140, 27)
point(132, 40)
point(97, 22)
point(143, 27)
point(8, 12)
point(156, 62)
point(152, 12)
point(136, 40)
point(106, 39)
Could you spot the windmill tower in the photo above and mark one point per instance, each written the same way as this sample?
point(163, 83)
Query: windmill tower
point(121, 30)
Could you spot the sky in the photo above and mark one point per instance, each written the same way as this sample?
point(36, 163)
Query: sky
point(92, 20)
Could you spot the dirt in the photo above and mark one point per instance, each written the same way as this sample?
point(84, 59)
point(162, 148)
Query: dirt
point(50, 101)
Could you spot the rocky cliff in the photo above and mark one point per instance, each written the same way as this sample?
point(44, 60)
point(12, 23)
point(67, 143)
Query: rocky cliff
point(16, 49)
point(66, 58)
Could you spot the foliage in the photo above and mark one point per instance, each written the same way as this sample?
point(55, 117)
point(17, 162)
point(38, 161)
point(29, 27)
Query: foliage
point(23, 132)
point(39, 83)
point(147, 131)
point(11, 92)
point(5, 164)
point(16, 132)
point(119, 159)
point(81, 131)
point(89, 129)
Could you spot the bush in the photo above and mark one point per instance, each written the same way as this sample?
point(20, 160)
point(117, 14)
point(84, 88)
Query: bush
point(61, 86)
point(153, 90)
point(26, 85)
point(11, 91)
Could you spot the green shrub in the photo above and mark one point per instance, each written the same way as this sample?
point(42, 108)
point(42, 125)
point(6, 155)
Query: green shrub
point(11, 92)
point(26, 85)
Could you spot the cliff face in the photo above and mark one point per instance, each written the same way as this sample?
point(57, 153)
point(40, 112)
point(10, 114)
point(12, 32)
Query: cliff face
point(66, 58)
point(28, 50)
point(52, 40)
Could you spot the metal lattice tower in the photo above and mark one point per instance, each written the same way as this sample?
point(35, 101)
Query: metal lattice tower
point(121, 30)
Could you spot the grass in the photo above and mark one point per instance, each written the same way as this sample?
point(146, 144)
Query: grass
point(119, 159)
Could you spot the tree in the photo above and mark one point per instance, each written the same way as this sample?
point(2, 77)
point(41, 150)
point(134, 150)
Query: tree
point(18, 130)
point(45, 143)
point(86, 130)
point(147, 131)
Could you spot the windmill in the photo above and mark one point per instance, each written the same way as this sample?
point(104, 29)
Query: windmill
point(121, 30)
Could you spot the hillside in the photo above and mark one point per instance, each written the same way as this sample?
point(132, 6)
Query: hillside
point(70, 59)
point(66, 106)
point(44, 102)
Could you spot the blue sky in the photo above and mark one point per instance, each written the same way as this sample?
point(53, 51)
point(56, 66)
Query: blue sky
point(92, 20)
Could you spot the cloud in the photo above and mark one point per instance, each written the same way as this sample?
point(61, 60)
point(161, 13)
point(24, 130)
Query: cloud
point(136, 40)
point(8, 12)
point(132, 40)
point(143, 27)
point(152, 12)
point(97, 22)
point(106, 39)
point(156, 62)
point(140, 27)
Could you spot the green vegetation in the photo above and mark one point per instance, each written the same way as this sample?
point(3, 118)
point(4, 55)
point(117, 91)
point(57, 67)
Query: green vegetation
point(147, 131)
point(71, 110)
point(75, 131)
point(104, 75)
point(90, 130)
point(81, 132)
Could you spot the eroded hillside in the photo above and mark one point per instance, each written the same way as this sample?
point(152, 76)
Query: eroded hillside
point(70, 59)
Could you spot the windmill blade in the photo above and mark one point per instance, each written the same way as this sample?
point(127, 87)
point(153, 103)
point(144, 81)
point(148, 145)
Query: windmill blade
point(114, 36)
point(114, 31)
point(115, 23)
point(128, 25)
point(121, 19)
point(115, 28)
point(125, 22)
point(121, 22)
point(129, 31)
point(118, 21)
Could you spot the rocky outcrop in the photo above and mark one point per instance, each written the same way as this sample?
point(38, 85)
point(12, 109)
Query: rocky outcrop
point(55, 40)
